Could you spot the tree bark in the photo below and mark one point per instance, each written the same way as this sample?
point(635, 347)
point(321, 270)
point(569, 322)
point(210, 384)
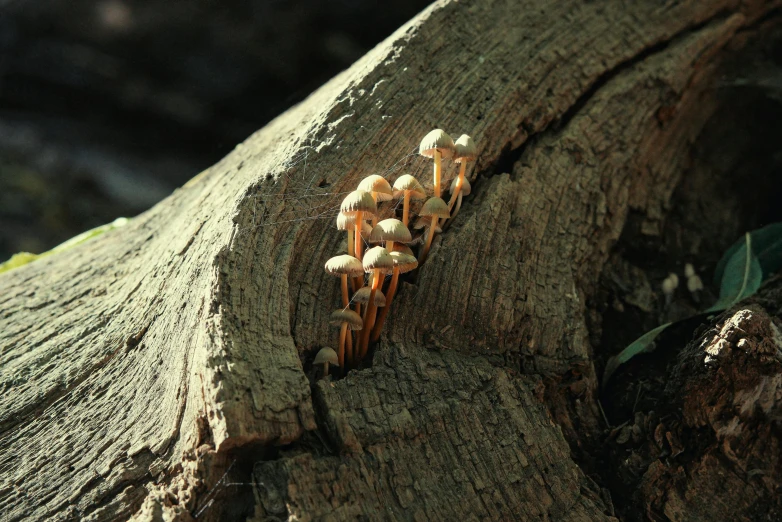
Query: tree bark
point(164, 371)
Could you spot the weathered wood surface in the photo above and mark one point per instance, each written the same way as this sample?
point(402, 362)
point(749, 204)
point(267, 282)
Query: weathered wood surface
point(138, 365)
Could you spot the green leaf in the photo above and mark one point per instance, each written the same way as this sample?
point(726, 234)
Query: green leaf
point(644, 344)
point(741, 277)
point(22, 258)
point(767, 246)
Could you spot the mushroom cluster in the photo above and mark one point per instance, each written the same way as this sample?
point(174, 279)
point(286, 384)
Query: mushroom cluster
point(363, 272)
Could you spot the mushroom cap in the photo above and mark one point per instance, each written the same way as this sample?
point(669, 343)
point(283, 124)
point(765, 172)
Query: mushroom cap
point(378, 185)
point(362, 296)
point(694, 283)
point(464, 149)
point(398, 247)
point(425, 222)
point(358, 201)
point(346, 221)
point(436, 140)
point(689, 270)
point(378, 258)
point(466, 187)
point(404, 262)
point(347, 316)
point(435, 207)
point(344, 264)
point(390, 230)
point(409, 183)
point(327, 355)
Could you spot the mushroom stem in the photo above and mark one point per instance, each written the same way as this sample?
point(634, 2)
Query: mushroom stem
point(373, 219)
point(326, 369)
point(349, 351)
point(345, 302)
point(378, 326)
point(351, 248)
point(458, 189)
point(406, 208)
point(359, 241)
point(369, 321)
point(458, 206)
point(437, 173)
point(341, 353)
point(429, 239)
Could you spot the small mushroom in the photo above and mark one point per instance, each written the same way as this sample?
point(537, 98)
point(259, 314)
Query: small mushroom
point(378, 187)
point(346, 318)
point(436, 208)
point(669, 286)
point(362, 296)
point(466, 189)
point(348, 224)
point(325, 357)
point(464, 151)
point(407, 187)
point(390, 230)
point(437, 145)
point(344, 266)
point(359, 203)
point(404, 261)
point(377, 262)
point(689, 270)
point(695, 286)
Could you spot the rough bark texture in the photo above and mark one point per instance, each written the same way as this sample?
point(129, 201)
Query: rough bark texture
point(138, 368)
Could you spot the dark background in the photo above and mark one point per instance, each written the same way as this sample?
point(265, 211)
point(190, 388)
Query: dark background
point(106, 106)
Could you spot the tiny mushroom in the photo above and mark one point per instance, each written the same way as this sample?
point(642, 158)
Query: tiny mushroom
point(437, 145)
point(465, 190)
point(436, 208)
point(695, 285)
point(344, 266)
point(359, 203)
point(378, 187)
point(464, 151)
point(669, 285)
point(346, 318)
point(378, 261)
point(404, 261)
point(408, 188)
point(347, 224)
point(362, 296)
point(391, 231)
point(325, 357)
point(689, 270)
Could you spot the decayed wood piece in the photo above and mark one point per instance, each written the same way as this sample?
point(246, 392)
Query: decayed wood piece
point(431, 436)
point(712, 450)
point(146, 356)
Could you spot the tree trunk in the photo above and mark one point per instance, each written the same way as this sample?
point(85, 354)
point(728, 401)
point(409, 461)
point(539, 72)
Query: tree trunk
point(165, 370)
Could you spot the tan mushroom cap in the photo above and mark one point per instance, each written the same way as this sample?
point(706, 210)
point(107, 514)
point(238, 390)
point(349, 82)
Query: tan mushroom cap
point(378, 185)
point(347, 316)
point(346, 221)
point(436, 140)
point(403, 249)
point(404, 262)
point(424, 222)
point(327, 355)
point(409, 183)
point(358, 201)
point(378, 258)
point(435, 207)
point(390, 230)
point(362, 296)
point(464, 149)
point(344, 264)
point(466, 187)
